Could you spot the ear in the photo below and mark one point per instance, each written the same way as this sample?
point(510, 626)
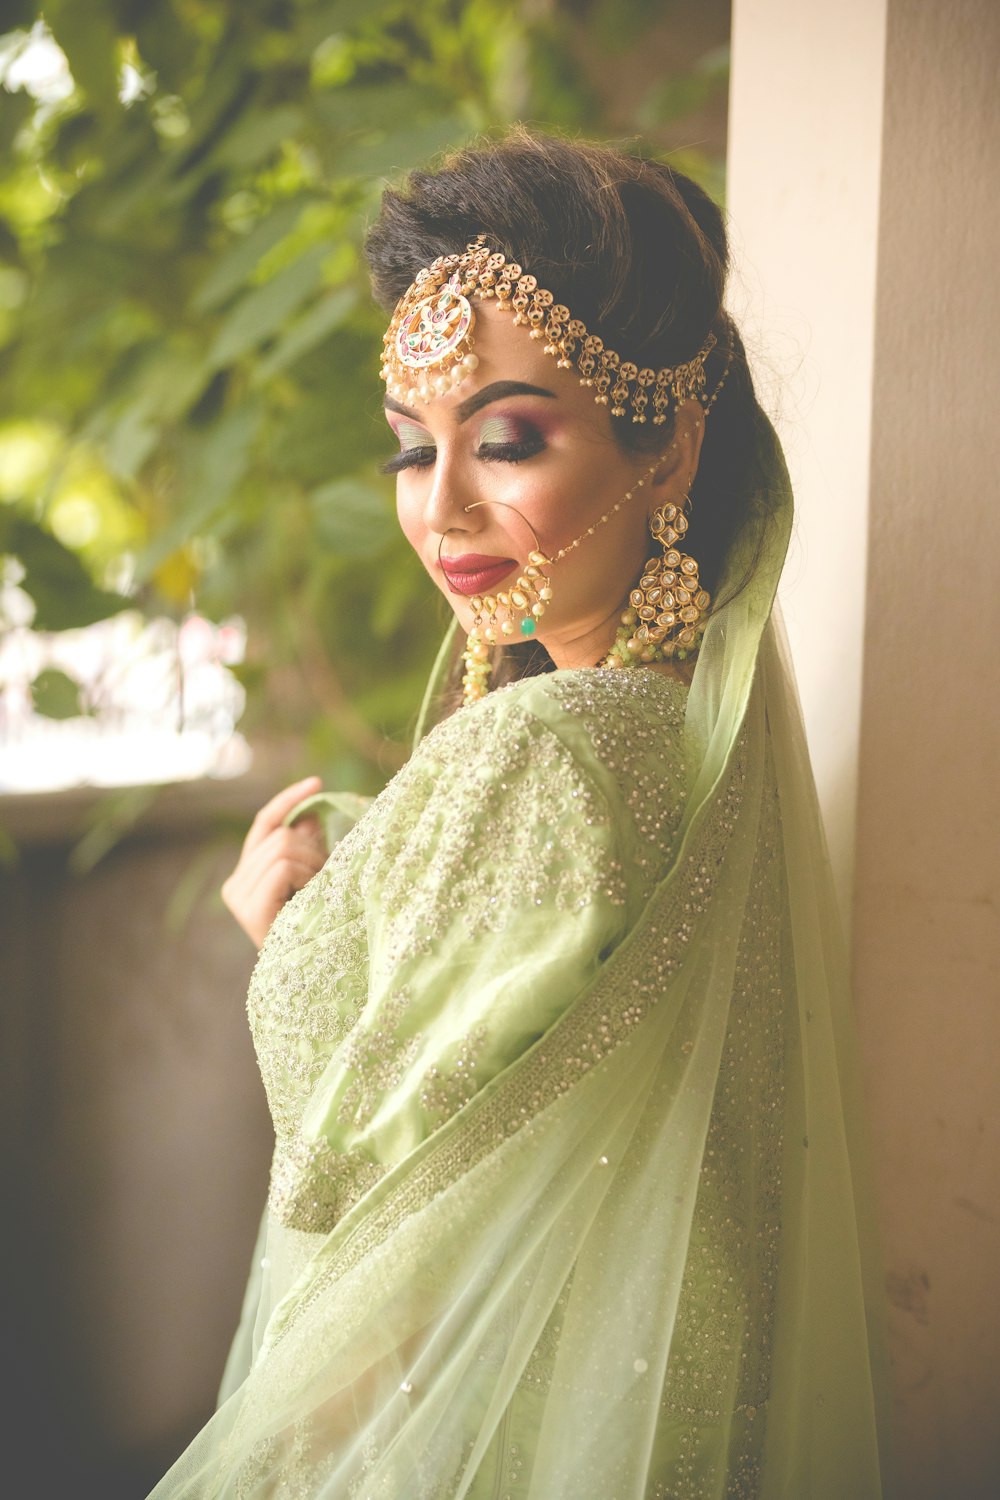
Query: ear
point(674, 476)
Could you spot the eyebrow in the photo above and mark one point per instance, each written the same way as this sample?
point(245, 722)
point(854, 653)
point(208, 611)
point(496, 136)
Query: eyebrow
point(498, 391)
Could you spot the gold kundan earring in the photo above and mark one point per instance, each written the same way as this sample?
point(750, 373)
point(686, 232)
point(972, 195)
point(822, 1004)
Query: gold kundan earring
point(667, 607)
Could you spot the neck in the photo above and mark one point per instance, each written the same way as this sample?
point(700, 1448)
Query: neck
point(585, 647)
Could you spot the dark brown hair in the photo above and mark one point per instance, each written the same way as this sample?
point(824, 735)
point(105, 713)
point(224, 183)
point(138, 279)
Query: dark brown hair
point(635, 249)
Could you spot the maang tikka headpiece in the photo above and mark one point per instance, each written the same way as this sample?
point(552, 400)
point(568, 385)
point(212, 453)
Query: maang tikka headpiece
point(428, 352)
point(428, 344)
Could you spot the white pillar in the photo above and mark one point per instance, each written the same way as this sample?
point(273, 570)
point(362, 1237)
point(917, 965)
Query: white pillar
point(804, 161)
point(864, 153)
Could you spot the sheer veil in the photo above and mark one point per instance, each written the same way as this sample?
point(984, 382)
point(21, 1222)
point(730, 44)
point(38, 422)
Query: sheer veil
point(555, 1211)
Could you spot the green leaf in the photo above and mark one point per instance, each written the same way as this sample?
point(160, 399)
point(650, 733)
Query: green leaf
point(340, 15)
point(64, 593)
point(400, 150)
point(213, 461)
point(257, 136)
point(234, 266)
point(376, 106)
point(131, 440)
point(56, 695)
point(309, 330)
point(89, 38)
point(338, 429)
point(352, 517)
point(259, 315)
point(151, 387)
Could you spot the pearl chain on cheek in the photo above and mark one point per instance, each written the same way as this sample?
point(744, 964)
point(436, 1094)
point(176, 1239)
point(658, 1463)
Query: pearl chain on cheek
point(565, 551)
point(531, 594)
point(666, 613)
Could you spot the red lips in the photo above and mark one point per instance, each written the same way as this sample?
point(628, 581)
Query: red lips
point(476, 573)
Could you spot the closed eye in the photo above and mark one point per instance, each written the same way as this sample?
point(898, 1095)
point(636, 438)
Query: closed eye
point(512, 452)
point(421, 457)
point(408, 458)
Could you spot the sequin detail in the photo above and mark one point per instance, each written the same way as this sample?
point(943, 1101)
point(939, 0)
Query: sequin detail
point(604, 1019)
point(722, 1332)
point(449, 1085)
point(414, 857)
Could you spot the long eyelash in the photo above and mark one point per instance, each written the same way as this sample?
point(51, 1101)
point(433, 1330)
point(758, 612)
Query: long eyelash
point(511, 453)
point(421, 458)
point(409, 458)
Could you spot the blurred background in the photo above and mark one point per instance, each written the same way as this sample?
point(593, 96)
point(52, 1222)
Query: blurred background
point(203, 595)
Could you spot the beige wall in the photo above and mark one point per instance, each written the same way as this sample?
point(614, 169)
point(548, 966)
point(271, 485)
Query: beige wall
point(865, 153)
point(136, 1141)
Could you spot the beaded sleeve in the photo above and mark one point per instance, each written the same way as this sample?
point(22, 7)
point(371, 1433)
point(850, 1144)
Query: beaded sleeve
point(452, 927)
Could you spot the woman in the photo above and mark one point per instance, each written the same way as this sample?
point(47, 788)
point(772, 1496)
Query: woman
point(562, 1203)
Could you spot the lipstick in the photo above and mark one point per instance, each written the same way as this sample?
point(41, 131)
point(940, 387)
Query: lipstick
point(475, 573)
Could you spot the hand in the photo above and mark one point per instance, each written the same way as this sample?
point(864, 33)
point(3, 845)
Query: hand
point(275, 861)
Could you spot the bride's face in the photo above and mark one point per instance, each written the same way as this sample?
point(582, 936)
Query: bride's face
point(528, 439)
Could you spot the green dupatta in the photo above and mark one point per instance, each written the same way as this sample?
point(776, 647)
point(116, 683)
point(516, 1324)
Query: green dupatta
point(502, 1307)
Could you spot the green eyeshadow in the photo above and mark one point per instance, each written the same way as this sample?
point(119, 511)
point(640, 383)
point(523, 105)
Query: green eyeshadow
point(412, 436)
point(496, 430)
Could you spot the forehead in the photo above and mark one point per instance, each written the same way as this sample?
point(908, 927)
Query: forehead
point(507, 352)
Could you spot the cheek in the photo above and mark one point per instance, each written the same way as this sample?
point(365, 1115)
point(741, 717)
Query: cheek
point(569, 499)
point(409, 516)
point(411, 523)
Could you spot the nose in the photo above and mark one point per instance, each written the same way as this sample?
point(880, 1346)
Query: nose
point(447, 495)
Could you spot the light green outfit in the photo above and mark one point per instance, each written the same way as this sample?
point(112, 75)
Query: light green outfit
point(563, 1203)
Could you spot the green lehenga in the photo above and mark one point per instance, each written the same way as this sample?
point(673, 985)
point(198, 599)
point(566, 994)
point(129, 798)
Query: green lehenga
point(563, 1200)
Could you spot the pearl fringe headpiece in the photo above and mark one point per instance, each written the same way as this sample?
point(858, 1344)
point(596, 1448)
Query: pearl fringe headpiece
point(428, 344)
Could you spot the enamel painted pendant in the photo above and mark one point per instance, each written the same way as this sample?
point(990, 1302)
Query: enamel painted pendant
point(431, 350)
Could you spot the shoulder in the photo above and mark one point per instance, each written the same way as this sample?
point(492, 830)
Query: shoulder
point(591, 735)
point(596, 748)
point(498, 806)
point(526, 747)
point(595, 714)
point(607, 708)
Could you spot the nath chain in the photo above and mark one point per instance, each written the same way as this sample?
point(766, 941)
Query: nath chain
point(665, 613)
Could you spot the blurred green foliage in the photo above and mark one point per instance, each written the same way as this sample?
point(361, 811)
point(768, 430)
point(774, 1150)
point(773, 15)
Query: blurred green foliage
point(188, 354)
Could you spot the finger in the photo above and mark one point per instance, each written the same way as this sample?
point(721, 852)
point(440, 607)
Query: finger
point(312, 833)
point(296, 842)
point(273, 813)
point(284, 880)
point(255, 909)
point(290, 875)
point(280, 843)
